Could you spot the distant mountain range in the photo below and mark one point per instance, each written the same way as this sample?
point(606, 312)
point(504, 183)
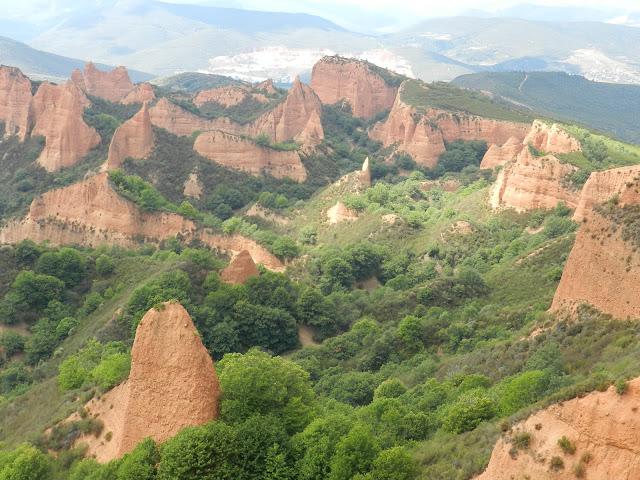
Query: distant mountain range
point(164, 39)
point(610, 108)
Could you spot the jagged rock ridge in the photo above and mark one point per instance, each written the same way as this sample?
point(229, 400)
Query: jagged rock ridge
point(240, 269)
point(134, 138)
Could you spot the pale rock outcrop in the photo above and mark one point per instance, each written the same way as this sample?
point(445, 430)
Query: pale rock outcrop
point(58, 115)
point(340, 213)
point(134, 139)
point(112, 86)
point(365, 173)
point(228, 96)
point(532, 182)
point(234, 244)
point(603, 425)
point(551, 138)
point(172, 385)
point(498, 155)
point(240, 153)
point(192, 186)
point(240, 269)
point(15, 102)
point(296, 118)
point(337, 79)
point(602, 186)
point(142, 92)
point(177, 120)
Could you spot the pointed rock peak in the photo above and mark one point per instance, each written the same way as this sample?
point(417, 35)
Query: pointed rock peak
point(340, 213)
point(15, 102)
point(365, 173)
point(134, 138)
point(267, 86)
point(112, 86)
point(365, 165)
point(240, 269)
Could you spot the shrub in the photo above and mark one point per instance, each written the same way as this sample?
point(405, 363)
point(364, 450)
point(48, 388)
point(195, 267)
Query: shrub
point(468, 412)
point(104, 265)
point(522, 440)
point(556, 464)
point(621, 387)
point(566, 445)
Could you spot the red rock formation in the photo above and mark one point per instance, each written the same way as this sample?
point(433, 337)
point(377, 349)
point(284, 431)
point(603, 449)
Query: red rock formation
point(240, 269)
point(411, 133)
point(228, 96)
point(179, 121)
point(15, 102)
point(112, 86)
point(134, 138)
point(601, 424)
point(267, 87)
point(551, 138)
point(335, 79)
point(240, 153)
point(172, 385)
point(602, 186)
point(340, 213)
point(532, 182)
point(142, 92)
point(462, 126)
point(58, 111)
point(235, 244)
point(497, 155)
point(296, 118)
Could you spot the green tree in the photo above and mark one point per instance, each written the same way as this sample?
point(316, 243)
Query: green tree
point(67, 264)
point(111, 370)
point(394, 464)
point(471, 408)
point(285, 248)
point(271, 328)
point(105, 265)
point(25, 463)
point(355, 454)
point(36, 290)
point(141, 463)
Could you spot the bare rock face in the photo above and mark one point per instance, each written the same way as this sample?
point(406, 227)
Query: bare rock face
point(172, 385)
point(601, 424)
point(602, 186)
point(177, 120)
point(134, 138)
point(296, 118)
point(532, 182)
point(240, 269)
point(411, 133)
point(192, 186)
point(113, 86)
point(235, 244)
point(15, 102)
point(365, 173)
point(340, 213)
point(58, 111)
point(240, 153)
point(461, 126)
point(228, 96)
point(267, 87)
point(498, 155)
point(142, 92)
point(551, 139)
point(335, 79)
point(91, 213)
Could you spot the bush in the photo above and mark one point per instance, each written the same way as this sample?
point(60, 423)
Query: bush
point(522, 440)
point(67, 264)
point(567, 445)
point(104, 265)
point(471, 409)
point(111, 370)
point(556, 464)
point(11, 343)
point(621, 387)
point(394, 464)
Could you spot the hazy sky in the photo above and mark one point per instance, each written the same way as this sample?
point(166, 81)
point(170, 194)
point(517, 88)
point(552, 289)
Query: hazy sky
point(378, 13)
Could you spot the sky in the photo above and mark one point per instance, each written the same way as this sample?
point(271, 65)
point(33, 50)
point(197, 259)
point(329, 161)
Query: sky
point(353, 14)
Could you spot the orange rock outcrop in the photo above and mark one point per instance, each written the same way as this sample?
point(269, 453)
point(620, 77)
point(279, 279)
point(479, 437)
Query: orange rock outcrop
point(192, 186)
point(15, 102)
point(240, 153)
point(267, 87)
point(337, 79)
point(228, 96)
point(551, 138)
point(533, 182)
point(234, 244)
point(113, 86)
point(142, 92)
point(177, 120)
point(134, 138)
point(340, 213)
point(498, 155)
point(603, 425)
point(602, 186)
point(58, 115)
point(240, 269)
point(172, 385)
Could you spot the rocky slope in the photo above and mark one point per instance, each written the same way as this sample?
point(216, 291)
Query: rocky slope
point(243, 154)
point(177, 120)
point(551, 138)
point(228, 96)
point(142, 92)
point(240, 269)
point(602, 186)
point(58, 116)
point(498, 155)
point(340, 213)
point(603, 426)
point(134, 138)
point(113, 86)
point(532, 182)
point(335, 79)
point(172, 385)
point(15, 102)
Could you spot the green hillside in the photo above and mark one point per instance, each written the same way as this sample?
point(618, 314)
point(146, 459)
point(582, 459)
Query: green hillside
point(606, 107)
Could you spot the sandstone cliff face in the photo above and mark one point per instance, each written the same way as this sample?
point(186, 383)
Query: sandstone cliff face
point(267, 87)
point(462, 126)
point(602, 424)
point(551, 138)
point(240, 269)
point(228, 96)
point(296, 118)
point(335, 79)
point(602, 186)
point(15, 102)
point(172, 385)
point(58, 111)
point(112, 86)
point(179, 121)
point(498, 155)
point(532, 182)
point(235, 244)
point(142, 92)
point(134, 138)
point(239, 153)
point(365, 173)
